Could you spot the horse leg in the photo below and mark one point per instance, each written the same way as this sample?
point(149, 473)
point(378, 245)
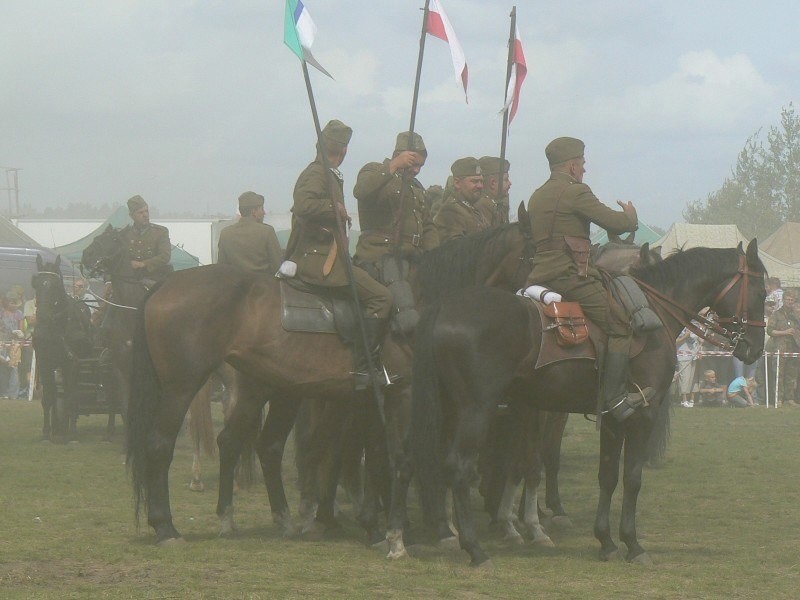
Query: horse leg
point(635, 455)
point(379, 484)
point(326, 456)
point(242, 423)
point(270, 447)
point(551, 457)
point(201, 429)
point(611, 438)
point(48, 383)
point(505, 512)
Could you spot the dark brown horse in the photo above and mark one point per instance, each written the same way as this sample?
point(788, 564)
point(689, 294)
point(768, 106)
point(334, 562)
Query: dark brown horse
point(484, 344)
point(202, 317)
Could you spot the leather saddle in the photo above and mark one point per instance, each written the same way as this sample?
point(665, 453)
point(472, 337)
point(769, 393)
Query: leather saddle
point(316, 309)
point(563, 335)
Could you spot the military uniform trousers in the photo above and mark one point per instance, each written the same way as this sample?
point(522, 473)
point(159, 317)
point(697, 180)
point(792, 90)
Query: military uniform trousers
point(593, 298)
point(374, 297)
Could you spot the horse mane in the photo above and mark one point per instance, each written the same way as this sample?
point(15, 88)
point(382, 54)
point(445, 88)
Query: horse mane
point(703, 262)
point(452, 266)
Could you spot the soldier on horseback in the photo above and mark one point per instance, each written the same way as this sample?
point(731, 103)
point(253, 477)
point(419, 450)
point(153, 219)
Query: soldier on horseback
point(561, 211)
point(317, 248)
point(148, 244)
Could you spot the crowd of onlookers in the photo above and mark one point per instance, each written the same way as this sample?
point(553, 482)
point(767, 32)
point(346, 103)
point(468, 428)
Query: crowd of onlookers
point(708, 377)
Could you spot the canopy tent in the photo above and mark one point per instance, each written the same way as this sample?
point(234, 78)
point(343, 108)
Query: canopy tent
point(13, 237)
point(180, 259)
point(784, 244)
point(643, 234)
point(683, 236)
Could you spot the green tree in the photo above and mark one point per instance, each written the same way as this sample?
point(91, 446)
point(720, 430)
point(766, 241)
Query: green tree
point(763, 190)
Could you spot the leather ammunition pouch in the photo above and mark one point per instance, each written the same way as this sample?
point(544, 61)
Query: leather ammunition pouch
point(569, 322)
point(579, 250)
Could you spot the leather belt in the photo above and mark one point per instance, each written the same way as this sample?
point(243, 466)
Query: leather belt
point(415, 240)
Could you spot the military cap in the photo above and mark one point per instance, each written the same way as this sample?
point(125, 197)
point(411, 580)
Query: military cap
point(466, 167)
point(250, 200)
point(337, 131)
point(563, 149)
point(136, 203)
point(490, 165)
point(417, 145)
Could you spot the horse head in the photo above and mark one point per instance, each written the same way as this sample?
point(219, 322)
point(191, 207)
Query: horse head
point(48, 284)
point(104, 255)
point(739, 303)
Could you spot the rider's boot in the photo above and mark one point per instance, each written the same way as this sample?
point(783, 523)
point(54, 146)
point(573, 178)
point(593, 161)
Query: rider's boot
point(376, 331)
point(617, 400)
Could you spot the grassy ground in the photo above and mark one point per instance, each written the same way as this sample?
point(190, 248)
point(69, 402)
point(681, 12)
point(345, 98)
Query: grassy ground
point(721, 519)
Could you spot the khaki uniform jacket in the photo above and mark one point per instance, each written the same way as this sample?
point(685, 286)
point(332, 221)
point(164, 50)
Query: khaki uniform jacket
point(457, 218)
point(494, 211)
point(781, 320)
point(313, 226)
point(379, 209)
point(577, 207)
point(251, 246)
point(151, 246)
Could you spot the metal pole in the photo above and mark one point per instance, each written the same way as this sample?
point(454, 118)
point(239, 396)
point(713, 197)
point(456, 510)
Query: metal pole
point(419, 71)
point(504, 134)
point(341, 241)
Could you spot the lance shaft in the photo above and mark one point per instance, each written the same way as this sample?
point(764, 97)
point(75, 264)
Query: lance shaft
point(344, 249)
point(504, 135)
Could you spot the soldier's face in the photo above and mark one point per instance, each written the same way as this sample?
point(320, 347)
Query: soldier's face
point(470, 187)
point(141, 216)
point(338, 158)
point(494, 183)
point(419, 162)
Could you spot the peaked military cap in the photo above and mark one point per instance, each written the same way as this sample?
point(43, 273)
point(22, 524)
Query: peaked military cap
point(490, 165)
point(563, 149)
point(337, 131)
point(136, 203)
point(250, 200)
point(417, 144)
point(466, 167)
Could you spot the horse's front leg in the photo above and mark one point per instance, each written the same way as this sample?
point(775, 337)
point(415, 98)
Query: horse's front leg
point(611, 438)
point(551, 456)
point(635, 456)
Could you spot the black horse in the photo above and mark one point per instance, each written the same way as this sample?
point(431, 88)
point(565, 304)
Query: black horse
point(63, 335)
point(483, 345)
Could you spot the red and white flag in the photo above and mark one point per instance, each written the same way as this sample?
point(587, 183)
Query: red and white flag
point(518, 72)
point(439, 26)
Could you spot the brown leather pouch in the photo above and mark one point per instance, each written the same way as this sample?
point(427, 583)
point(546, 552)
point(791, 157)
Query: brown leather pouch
point(579, 249)
point(569, 322)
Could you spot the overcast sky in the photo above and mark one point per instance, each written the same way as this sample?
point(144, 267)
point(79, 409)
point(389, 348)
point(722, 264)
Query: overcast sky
point(191, 102)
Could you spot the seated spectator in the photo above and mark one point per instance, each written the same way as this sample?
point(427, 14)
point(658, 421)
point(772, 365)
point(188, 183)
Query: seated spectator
point(710, 392)
point(740, 392)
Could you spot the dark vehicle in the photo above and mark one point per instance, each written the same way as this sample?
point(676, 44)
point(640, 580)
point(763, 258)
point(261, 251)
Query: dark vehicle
point(18, 266)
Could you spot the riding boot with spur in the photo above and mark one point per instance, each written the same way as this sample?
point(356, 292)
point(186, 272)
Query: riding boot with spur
point(376, 330)
point(617, 400)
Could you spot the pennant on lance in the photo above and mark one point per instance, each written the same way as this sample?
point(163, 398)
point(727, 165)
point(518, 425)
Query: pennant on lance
point(299, 31)
point(438, 25)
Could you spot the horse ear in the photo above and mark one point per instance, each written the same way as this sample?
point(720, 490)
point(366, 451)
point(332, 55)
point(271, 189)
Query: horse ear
point(739, 248)
point(752, 252)
point(109, 229)
point(39, 263)
point(522, 214)
point(58, 262)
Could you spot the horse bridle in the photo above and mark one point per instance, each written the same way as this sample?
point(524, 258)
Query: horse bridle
point(707, 328)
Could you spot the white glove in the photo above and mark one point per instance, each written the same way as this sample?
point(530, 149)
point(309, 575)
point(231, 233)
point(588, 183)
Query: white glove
point(287, 270)
point(542, 294)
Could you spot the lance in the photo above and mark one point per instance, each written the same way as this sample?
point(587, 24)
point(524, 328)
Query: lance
point(340, 238)
point(504, 134)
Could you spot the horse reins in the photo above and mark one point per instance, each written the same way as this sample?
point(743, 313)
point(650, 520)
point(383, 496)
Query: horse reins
point(707, 326)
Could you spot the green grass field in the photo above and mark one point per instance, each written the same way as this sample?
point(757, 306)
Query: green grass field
point(721, 519)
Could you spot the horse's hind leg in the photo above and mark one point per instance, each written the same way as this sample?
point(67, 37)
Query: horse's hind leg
point(611, 438)
point(636, 452)
point(551, 456)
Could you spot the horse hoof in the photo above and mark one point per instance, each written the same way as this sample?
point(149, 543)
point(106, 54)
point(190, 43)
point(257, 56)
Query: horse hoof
point(543, 542)
point(484, 565)
point(561, 522)
point(611, 556)
point(514, 539)
point(197, 485)
point(179, 541)
point(397, 554)
point(642, 559)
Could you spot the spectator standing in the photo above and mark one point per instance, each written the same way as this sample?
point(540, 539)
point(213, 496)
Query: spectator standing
point(80, 290)
point(688, 346)
point(783, 329)
point(774, 292)
point(11, 351)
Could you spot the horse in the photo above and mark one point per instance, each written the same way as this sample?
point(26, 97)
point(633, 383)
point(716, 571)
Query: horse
point(536, 435)
point(484, 344)
point(200, 318)
point(62, 336)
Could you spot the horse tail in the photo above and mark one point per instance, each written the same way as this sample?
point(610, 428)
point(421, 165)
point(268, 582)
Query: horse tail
point(660, 433)
point(201, 427)
point(143, 403)
point(426, 420)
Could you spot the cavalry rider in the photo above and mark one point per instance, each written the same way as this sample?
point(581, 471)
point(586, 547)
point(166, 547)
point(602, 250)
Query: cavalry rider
point(314, 244)
point(250, 244)
point(459, 215)
point(496, 183)
point(561, 211)
point(149, 248)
